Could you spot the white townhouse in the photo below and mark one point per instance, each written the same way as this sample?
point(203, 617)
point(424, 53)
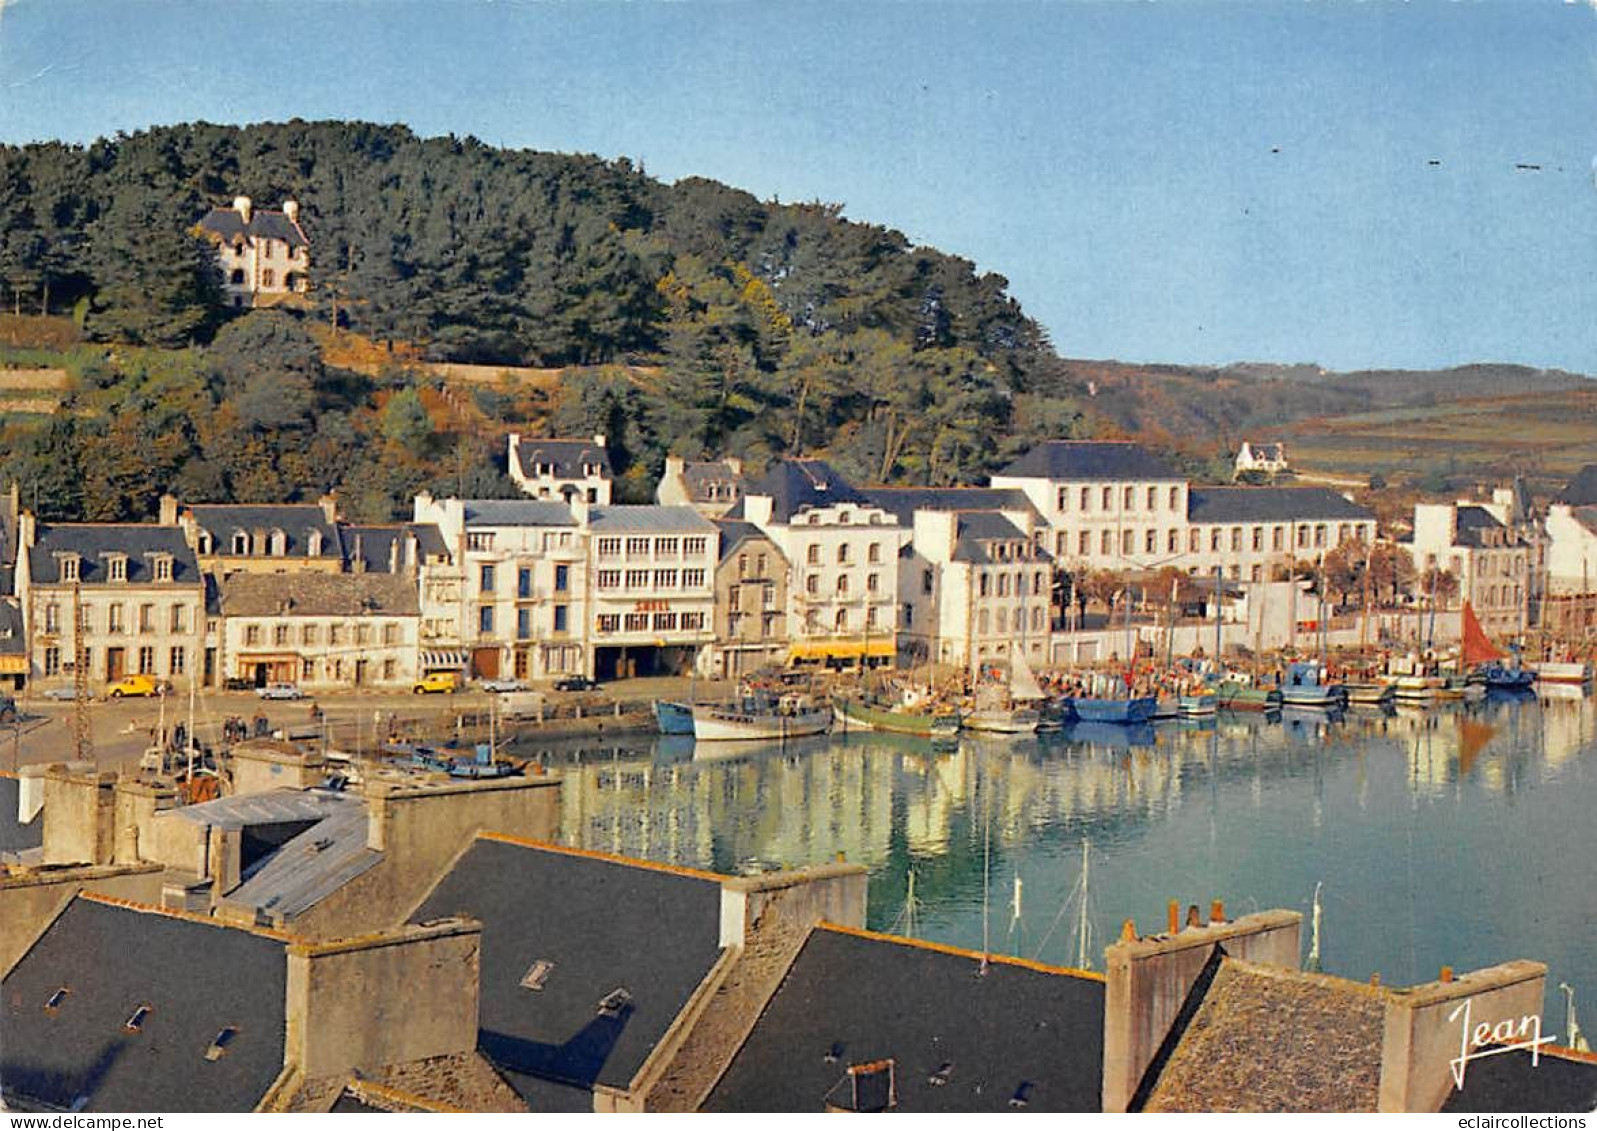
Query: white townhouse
point(1489, 561)
point(1570, 604)
point(561, 470)
point(842, 551)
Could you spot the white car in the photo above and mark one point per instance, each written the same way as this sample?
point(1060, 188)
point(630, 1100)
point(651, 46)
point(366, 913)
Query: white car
point(66, 694)
point(279, 691)
point(501, 686)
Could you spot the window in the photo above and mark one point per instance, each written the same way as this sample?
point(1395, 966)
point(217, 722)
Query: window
point(665, 547)
point(1127, 541)
point(537, 974)
point(1036, 620)
point(842, 585)
point(870, 617)
point(845, 554)
point(485, 579)
point(983, 621)
point(146, 660)
point(1108, 498)
point(562, 618)
point(637, 547)
point(812, 583)
point(1086, 498)
point(609, 579)
point(1175, 498)
point(178, 661)
point(69, 567)
point(665, 579)
point(1084, 543)
point(927, 582)
point(280, 635)
point(609, 622)
point(390, 669)
point(692, 579)
point(812, 556)
point(873, 553)
point(840, 622)
point(252, 635)
point(524, 582)
point(1173, 541)
point(1278, 538)
point(1153, 498)
point(873, 582)
point(637, 579)
point(609, 547)
point(485, 619)
point(52, 660)
point(1258, 539)
point(1003, 585)
point(277, 544)
point(180, 618)
point(692, 622)
point(1106, 542)
point(768, 597)
point(268, 276)
point(117, 567)
point(1303, 536)
point(1128, 498)
point(136, 1019)
point(56, 999)
point(335, 635)
point(983, 584)
point(1003, 621)
point(390, 634)
point(1319, 534)
point(52, 618)
point(1151, 542)
point(637, 622)
point(1214, 539)
point(1236, 539)
point(665, 622)
point(114, 618)
point(163, 568)
point(1062, 499)
point(759, 565)
point(562, 578)
point(523, 624)
point(695, 547)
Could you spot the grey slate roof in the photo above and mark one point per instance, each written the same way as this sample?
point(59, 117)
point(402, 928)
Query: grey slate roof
point(734, 533)
point(311, 866)
point(1582, 490)
point(319, 595)
point(851, 998)
point(296, 520)
point(699, 476)
point(978, 529)
point(91, 541)
point(226, 224)
point(905, 501)
point(12, 640)
point(1271, 504)
point(566, 456)
point(648, 520)
point(605, 924)
point(1090, 459)
point(374, 545)
point(196, 977)
point(794, 484)
point(15, 836)
point(516, 512)
point(1508, 1082)
point(1473, 522)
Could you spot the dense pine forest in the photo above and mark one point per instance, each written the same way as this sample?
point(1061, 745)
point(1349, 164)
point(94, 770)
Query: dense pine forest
point(693, 318)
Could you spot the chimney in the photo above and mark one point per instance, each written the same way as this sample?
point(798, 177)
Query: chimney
point(329, 505)
point(168, 510)
point(419, 982)
point(79, 815)
point(579, 509)
point(674, 466)
point(27, 530)
point(757, 509)
point(1149, 979)
point(734, 465)
point(357, 561)
point(411, 547)
point(833, 893)
point(244, 207)
point(291, 210)
point(598, 439)
point(1427, 1026)
point(393, 552)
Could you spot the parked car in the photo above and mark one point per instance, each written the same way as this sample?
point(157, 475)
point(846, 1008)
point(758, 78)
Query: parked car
point(279, 691)
point(501, 686)
point(576, 683)
point(238, 683)
point(65, 694)
point(133, 686)
point(446, 683)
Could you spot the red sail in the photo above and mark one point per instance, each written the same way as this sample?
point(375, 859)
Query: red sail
point(1477, 649)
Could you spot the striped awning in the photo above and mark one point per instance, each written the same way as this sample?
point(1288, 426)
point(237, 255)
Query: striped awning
point(843, 649)
point(443, 658)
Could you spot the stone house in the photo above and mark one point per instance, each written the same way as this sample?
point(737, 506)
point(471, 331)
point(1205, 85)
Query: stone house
point(751, 601)
point(561, 470)
point(263, 256)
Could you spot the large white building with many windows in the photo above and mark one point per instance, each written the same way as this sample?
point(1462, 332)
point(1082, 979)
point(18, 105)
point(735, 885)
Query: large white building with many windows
point(842, 551)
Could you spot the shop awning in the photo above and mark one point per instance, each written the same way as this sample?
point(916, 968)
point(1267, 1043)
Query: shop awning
point(13, 663)
point(444, 658)
point(842, 649)
point(268, 657)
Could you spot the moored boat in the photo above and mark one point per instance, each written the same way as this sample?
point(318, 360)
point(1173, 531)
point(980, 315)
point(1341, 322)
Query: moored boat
point(1132, 710)
point(1307, 686)
point(1001, 720)
point(1233, 695)
point(856, 714)
point(1418, 688)
point(793, 717)
point(1370, 693)
point(1561, 671)
point(1166, 707)
point(1196, 706)
point(673, 718)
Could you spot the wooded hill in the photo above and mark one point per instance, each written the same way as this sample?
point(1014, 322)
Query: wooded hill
point(694, 318)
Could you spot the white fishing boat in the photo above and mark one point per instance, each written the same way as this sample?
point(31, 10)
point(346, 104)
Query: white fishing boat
point(1556, 671)
point(1001, 710)
point(793, 716)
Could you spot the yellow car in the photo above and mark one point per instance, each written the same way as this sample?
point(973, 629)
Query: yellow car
point(141, 685)
point(446, 682)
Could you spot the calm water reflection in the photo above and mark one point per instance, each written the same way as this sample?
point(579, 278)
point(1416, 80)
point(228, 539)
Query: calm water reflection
point(1456, 837)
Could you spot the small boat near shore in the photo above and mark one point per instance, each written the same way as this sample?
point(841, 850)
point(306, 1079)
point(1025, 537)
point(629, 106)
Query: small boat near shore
point(1369, 693)
point(1306, 685)
point(673, 718)
point(1233, 695)
point(856, 714)
point(791, 717)
point(1200, 705)
point(1563, 671)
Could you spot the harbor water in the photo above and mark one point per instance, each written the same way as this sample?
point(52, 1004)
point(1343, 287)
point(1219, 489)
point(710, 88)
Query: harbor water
point(1458, 836)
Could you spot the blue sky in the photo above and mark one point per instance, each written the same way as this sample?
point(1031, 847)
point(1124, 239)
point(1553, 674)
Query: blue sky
point(1182, 182)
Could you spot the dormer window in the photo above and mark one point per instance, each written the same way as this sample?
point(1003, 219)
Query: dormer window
point(207, 544)
point(116, 567)
point(278, 544)
point(314, 543)
point(163, 567)
point(241, 543)
point(69, 567)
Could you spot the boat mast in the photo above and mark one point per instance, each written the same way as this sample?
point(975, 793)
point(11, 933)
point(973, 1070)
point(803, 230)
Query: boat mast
point(1313, 963)
point(1083, 929)
point(189, 738)
point(1219, 575)
point(1575, 1038)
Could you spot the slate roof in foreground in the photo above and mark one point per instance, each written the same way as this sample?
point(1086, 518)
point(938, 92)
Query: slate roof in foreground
point(196, 977)
point(603, 924)
point(1017, 1037)
point(14, 835)
point(1561, 1080)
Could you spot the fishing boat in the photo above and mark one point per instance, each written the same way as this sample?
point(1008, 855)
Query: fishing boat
point(945, 730)
point(1235, 695)
point(1131, 710)
point(793, 716)
point(1202, 704)
point(1306, 685)
point(1003, 709)
point(1563, 671)
point(673, 718)
point(1418, 688)
point(1166, 707)
point(1369, 693)
point(1485, 660)
point(921, 719)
